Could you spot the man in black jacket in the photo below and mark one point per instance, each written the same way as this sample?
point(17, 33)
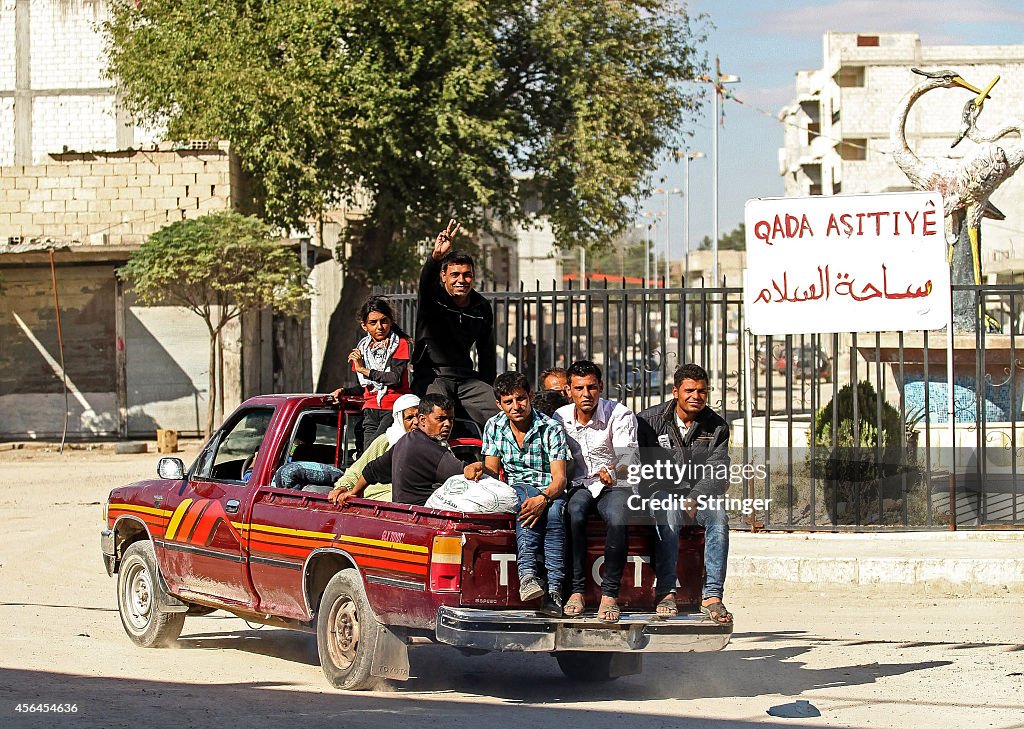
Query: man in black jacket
point(451, 318)
point(686, 432)
point(418, 463)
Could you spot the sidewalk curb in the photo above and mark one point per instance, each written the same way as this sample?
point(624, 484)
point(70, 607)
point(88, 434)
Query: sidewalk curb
point(880, 570)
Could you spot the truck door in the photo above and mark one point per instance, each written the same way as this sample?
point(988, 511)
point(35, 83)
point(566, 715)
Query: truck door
point(202, 550)
point(285, 527)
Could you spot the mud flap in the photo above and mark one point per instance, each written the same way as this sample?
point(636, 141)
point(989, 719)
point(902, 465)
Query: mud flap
point(391, 656)
point(625, 664)
point(168, 602)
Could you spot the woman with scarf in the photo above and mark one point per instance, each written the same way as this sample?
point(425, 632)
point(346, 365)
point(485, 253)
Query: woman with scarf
point(381, 362)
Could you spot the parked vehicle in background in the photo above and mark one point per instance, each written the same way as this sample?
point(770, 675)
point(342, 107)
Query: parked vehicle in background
point(763, 360)
point(807, 361)
point(638, 373)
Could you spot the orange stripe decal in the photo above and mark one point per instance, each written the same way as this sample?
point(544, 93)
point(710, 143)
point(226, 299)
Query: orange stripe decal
point(280, 539)
point(188, 524)
point(394, 566)
point(179, 513)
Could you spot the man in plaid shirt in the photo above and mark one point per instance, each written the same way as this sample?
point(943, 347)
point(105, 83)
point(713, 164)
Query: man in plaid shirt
point(533, 451)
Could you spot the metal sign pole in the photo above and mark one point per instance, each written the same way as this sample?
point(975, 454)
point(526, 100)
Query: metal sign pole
point(951, 409)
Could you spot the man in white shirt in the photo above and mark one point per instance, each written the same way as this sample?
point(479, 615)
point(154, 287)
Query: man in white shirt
point(602, 439)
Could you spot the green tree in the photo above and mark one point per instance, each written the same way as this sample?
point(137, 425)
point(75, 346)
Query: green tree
point(219, 266)
point(734, 240)
point(419, 110)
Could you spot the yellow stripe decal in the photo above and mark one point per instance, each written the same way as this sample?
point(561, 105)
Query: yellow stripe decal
point(178, 514)
point(294, 532)
point(175, 522)
point(327, 535)
point(380, 543)
point(140, 509)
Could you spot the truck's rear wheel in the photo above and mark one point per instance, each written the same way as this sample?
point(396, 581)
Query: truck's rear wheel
point(346, 632)
point(586, 666)
point(139, 598)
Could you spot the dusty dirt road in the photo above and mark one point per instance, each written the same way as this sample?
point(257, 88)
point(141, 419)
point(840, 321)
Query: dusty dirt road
point(862, 657)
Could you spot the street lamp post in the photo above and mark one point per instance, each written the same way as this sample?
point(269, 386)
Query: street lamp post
point(668, 230)
point(719, 82)
point(686, 157)
point(651, 273)
point(647, 255)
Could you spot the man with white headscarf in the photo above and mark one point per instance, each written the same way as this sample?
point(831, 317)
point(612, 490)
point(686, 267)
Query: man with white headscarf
point(404, 410)
point(320, 477)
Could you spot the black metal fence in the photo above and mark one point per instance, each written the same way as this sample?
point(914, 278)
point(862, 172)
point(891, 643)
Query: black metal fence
point(826, 454)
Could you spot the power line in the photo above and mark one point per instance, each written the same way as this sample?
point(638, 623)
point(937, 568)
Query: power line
point(732, 97)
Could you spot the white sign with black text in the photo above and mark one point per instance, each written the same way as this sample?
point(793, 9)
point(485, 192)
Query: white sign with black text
point(846, 263)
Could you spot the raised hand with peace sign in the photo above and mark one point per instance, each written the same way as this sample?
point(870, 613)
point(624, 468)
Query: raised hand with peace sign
point(443, 244)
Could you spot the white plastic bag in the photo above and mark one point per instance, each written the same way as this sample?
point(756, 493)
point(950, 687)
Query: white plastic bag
point(486, 496)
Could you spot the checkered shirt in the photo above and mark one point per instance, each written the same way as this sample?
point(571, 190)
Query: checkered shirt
point(531, 464)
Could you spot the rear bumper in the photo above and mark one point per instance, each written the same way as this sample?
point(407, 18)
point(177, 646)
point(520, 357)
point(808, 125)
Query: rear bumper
point(524, 631)
point(108, 550)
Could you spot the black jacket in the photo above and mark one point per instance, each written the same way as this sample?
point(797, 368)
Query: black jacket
point(415, 466)
point(445, 332)
point(706, 444)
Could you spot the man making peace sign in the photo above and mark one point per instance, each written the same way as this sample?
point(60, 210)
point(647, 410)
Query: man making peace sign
point(451, 318)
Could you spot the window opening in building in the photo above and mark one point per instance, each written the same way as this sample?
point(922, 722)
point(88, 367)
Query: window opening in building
point(850, 77)
point(853, 149)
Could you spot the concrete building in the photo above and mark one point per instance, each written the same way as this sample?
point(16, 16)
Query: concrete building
point(79, 180)
point(53, 94)
point(837, 137)
point(526, 254)
point(523, 253)
point(129, 369)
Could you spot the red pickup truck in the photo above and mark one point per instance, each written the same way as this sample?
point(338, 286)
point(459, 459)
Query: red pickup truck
point(371, 577)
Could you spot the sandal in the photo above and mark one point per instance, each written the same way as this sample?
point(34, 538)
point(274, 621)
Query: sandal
point(717, 612)
point(574, 605)
point(666, 606)
point(609, 611)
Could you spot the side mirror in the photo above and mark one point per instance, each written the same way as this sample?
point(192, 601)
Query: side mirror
point(171, 468)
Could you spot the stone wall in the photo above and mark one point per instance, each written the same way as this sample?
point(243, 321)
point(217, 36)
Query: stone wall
point(115, 198)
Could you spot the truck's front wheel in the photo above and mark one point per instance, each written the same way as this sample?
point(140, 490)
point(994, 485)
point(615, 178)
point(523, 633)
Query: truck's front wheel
point(139, 600)
point(346, 632)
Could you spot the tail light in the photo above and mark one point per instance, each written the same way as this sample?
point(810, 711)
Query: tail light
point(446, 564)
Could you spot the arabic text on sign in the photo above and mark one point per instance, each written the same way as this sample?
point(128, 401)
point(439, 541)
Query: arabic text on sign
point(839, 284)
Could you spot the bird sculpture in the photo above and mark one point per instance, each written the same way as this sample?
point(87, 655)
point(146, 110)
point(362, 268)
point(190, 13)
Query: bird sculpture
point(969, 124)
point(965, 183)
point(992, 164)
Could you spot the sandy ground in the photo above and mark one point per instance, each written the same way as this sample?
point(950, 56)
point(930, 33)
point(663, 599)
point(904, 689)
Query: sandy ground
point(862, 657)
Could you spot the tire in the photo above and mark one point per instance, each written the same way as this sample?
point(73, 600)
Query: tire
point(586, 666)
point(139, 597)
point(346, 633)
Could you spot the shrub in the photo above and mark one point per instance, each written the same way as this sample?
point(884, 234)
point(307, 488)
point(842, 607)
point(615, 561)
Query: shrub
point(862, 460)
